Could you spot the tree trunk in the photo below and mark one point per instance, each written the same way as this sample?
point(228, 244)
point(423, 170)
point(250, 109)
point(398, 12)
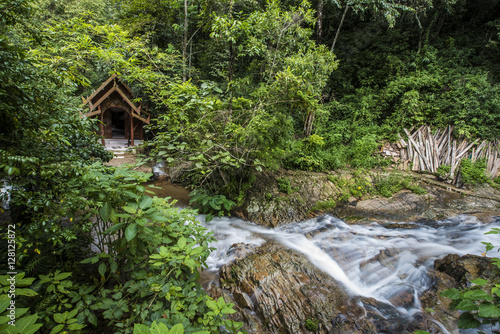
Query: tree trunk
point(230, 78)
point(230, 70)
point(185, 42)
point(420, 32)
point(309, 124)
point(340, 26)
point(319, 31)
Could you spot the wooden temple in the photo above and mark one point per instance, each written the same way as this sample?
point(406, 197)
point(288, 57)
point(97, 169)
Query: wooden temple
point(119, 116)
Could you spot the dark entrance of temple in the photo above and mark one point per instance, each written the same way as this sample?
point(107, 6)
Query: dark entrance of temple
point(118, 117)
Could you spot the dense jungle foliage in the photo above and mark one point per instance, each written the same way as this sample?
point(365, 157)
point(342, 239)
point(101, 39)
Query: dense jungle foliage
point(235, 86)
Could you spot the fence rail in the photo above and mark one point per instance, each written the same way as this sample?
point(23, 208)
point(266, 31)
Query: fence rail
point(427, 151)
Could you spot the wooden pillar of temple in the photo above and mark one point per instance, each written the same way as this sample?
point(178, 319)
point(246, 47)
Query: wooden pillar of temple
point(131, 128)
point(101, 125)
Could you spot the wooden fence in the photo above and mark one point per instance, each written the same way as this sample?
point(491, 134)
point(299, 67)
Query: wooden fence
point(427, 151)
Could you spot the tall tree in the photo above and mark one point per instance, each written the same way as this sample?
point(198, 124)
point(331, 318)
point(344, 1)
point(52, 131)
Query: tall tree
point(389, 9)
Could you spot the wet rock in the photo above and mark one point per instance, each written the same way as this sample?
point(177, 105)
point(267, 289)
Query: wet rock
point(401, 206)
point(403, 298)
point(387, 319)
point(243, 299)
point(466, 268)
point(385, 257)
point(453, 271)
point(267, 205)
point(437, 307)
point(289, 295)
point(392, 225)
point(241, 250)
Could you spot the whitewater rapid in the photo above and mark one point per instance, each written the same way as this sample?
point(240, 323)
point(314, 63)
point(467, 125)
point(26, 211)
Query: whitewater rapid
point(373, 260)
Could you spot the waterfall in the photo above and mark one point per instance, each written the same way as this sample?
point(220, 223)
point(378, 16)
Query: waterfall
point(373, 260)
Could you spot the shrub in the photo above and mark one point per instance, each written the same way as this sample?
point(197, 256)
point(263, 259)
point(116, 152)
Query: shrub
point(473, 172)
point(443, 171)
point(284, 186)
point(388, 186)
point(324, 205)
point(312, 325)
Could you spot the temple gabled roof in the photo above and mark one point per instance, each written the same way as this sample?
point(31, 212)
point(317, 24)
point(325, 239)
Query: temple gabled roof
point(111, 85)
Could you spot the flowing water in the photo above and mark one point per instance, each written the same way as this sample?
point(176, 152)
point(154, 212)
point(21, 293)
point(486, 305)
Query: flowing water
point(374, 260)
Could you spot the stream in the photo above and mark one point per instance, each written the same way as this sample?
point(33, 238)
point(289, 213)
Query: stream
point(374, 260)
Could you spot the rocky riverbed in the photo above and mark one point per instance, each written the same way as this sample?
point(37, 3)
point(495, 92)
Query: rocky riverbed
point(326, 276)
point(278, 288)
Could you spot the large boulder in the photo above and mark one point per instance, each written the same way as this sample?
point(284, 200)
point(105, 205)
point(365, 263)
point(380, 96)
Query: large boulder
point(278, 291)
point(454, 271)
point(464, 269)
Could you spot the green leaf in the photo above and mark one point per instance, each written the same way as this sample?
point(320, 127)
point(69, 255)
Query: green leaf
point(177, 329)
point(212, 304)
point(24, 281)
point(130, 194)
point(73, 313)
point(477, 295)
point(61, 276)
point(32, 329)
point(92, 318)
point(93, 260)
point(161, 328)
point(196, 250)
point(228, 311)
point(4, 303)
point(141, 329)
point(26, 292)
point(102, 269)
point(488, 310)
point(105, 211)
point(131, 231)
point(479, 281)
point(129, 209)
point(163, 252)
point(467, 305)
point(146, 202)
point(26, 324)
point(114, 228)
point(494, 230)
point(214, 205)
point(181, 243)
point(4, 319)
point(3, 280)
point(21, 311)
point(11, 330)
point(113, 266)
point(123, 215)
point(75, 327)
point(59, 318)
point(228, 205)
point(451, 293)
point(57, 329)
point(467, 321)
